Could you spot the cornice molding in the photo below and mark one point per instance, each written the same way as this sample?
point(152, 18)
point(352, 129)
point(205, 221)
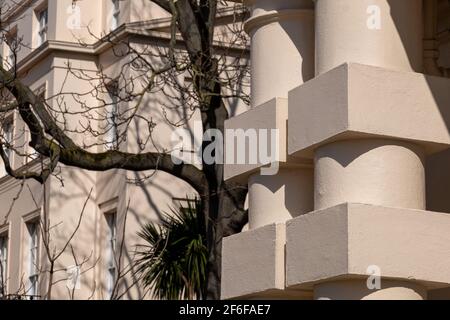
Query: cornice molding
point(15, 10)
point(7, 182)
point(156, 29)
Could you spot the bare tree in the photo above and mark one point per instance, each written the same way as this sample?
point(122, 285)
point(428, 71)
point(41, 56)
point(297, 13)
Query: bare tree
point(52, 253)
point(48, 268)
point(52, 271)
point(204, 46)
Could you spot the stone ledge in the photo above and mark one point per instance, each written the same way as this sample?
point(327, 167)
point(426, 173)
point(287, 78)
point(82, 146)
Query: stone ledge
point(359, 101)
point(270, 115)
point(253, 262)
point(343, 241)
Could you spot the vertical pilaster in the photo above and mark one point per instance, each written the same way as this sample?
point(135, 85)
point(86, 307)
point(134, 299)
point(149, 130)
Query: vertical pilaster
point(282, 58)
point(387, 34)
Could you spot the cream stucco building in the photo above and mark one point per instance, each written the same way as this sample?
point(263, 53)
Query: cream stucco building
point(58, 35)
point(359, 93)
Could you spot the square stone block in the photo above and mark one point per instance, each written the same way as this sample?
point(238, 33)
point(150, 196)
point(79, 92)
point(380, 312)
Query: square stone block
point(350, 240)
point(359, 101)
point(253, 262)
point(270, 115)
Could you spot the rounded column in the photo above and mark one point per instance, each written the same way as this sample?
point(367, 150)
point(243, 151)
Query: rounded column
point(371, 171)
point(358, 290)
point(379, 32)
point(282, 58)
point(282, 46)
point(278, 198)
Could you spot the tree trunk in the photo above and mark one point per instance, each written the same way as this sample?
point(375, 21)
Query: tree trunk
point(230, 218)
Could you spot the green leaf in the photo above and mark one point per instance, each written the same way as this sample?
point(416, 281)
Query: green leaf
point(173, 260)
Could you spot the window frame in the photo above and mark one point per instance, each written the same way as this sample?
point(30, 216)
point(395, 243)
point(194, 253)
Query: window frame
point(42, 30)
point(33, 228)
point(7, 130)
point(111, 250)
point(31, 154)
point(115, 15)
point(4, 259)
point(11, 45)
point(112, 114)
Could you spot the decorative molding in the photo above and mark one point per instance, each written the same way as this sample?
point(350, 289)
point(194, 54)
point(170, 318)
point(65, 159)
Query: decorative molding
point(276, 16)
point(32, 216)
point(109, 205)
point(4, 228)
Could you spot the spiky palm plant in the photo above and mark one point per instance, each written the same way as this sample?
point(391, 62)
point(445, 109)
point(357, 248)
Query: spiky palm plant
point(173, 260)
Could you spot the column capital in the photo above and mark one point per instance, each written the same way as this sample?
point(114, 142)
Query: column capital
point(261, 19)
point(269, 11)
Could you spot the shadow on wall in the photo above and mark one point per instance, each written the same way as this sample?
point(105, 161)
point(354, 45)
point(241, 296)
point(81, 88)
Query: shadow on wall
point(403, 25)
point(437, 165)
point(299, 39)
point(150, 198)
